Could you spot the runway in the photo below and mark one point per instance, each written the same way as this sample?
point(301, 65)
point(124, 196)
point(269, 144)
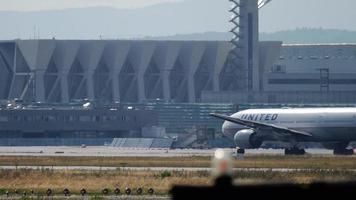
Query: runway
point(104, 151)
point(159, 169)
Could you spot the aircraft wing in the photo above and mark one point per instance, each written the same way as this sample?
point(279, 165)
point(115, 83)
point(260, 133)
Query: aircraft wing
point(260, 125)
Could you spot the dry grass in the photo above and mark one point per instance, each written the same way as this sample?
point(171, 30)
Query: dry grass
point(310, 162)
point(301, 177)
point(106, 161)
point(299, 162)
point(94, 182)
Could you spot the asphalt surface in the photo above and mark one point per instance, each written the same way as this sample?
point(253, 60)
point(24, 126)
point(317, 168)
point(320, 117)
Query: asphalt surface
point(116, 152)
point(103, 151)
point(193, 169)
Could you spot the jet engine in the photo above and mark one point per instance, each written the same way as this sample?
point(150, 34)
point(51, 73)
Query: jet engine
point(246, 139)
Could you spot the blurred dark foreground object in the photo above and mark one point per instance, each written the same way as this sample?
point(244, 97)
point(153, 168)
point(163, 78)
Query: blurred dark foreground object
point(223, 189)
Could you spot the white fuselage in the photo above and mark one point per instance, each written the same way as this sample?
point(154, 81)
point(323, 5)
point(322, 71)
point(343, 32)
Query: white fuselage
point(325, 124)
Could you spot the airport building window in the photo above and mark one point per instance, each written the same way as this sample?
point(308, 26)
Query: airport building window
point(113, 118)
point(339, 53)
point(61, 118)
point(279, 68)
point(311, 81)
point(73, 118)
point(4, 119)
point(313, 57)
point(97, 118)
point(66, 118)
point(106, 118)
point(85, 118)
point(51, 118)
point(25, 118)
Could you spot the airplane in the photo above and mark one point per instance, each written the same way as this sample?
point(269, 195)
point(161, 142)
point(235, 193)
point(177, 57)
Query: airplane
point(334, 128)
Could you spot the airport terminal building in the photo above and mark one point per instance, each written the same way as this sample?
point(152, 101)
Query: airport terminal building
point(61, 71)
point(243, 70)
point(183, 81)
point(318, 74)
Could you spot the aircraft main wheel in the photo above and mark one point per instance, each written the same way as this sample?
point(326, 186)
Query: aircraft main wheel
point(345, 152)
point(240, 151)
point(294, 151)
point(301, 152)
point(288, 152)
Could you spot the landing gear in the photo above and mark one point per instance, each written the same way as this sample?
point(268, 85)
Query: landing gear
point(294, 151)
point(240, 151)
point(345, 152)
point(340, 149)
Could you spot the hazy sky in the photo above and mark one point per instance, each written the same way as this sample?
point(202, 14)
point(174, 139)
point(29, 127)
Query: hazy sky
point(291, 14)
point(278, 15)
point(34, 5)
